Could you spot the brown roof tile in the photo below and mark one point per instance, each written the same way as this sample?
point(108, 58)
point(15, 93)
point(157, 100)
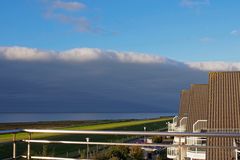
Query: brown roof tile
point(198, 104)
point(184, 103)
point(224, 111)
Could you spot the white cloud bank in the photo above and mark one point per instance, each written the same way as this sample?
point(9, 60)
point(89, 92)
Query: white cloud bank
point(88, 79)
point(22, 53)
point(215, 66)
point(79, 55)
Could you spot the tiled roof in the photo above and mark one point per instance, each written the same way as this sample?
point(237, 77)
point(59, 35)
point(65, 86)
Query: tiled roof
point(224, 111)
point(184, 104)
point(198, 104)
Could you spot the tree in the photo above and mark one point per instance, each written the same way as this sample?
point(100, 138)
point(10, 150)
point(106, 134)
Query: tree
point(120, 152)
point(136, 153)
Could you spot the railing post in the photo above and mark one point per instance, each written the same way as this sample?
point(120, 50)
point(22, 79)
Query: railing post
point(87, 139)
point(29, 147)
point(145, 128)
point(14, 146)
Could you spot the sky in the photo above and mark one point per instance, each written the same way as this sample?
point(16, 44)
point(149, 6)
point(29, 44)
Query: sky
point(184, 30)
point(112, 56)
point(92, 80)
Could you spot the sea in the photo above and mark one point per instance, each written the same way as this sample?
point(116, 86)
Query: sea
point(38, 117)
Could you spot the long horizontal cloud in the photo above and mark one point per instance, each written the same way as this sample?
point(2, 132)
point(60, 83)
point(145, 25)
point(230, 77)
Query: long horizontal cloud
point(215, 66)
point(78, 55)
point(92, 80)
point(94, 54)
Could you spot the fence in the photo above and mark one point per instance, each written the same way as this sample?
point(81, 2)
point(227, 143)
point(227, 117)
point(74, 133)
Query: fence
point(29, 141)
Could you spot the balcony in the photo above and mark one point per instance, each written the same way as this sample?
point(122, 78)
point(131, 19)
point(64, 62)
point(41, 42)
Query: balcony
point(197, 141)
point(196, 153)
point(172, 127)
point(178, 140)
point(200, 126)
point(172, 152)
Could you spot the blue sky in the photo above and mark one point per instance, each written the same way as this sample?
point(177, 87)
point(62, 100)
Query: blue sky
point(185, 30)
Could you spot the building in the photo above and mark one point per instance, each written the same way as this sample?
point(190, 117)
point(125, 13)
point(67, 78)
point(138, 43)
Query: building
point(192, 118)
point(214, 107)
point(197, 120)
point(179, 124)
point(224, 112)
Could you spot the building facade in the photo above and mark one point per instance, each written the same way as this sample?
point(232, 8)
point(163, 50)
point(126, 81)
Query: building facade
point(212, 107)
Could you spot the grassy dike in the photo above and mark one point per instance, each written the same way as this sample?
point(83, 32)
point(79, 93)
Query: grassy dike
point(70, 150)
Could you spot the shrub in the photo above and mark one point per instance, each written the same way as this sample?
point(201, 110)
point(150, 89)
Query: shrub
point(136, 153)
point(120, 152)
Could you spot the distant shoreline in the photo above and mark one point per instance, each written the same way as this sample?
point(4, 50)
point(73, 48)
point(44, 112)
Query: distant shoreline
point(58, 117)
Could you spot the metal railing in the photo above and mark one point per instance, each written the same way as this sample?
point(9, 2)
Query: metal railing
point(198, 153)
point(174, 127)
point(196, 141)
point(29, 141)
point(171, 127)
point(200, 125)
point(175, 119)
point(172, 152)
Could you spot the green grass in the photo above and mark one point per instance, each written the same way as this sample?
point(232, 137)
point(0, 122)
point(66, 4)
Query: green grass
point(104, 126)
point(61, 150)
point(116, 124)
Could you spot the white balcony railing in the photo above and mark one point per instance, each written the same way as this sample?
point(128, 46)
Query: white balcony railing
point(178, 140)
point(200, 125)
point(172, 152)
point(196, 153)
point(172, 127)
point(175, 119)
point(198, 141)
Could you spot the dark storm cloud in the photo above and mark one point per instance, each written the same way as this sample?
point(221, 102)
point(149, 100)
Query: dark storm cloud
point(91, 81)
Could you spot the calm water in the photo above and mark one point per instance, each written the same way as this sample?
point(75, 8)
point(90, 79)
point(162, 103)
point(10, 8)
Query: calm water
point(34, 117)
